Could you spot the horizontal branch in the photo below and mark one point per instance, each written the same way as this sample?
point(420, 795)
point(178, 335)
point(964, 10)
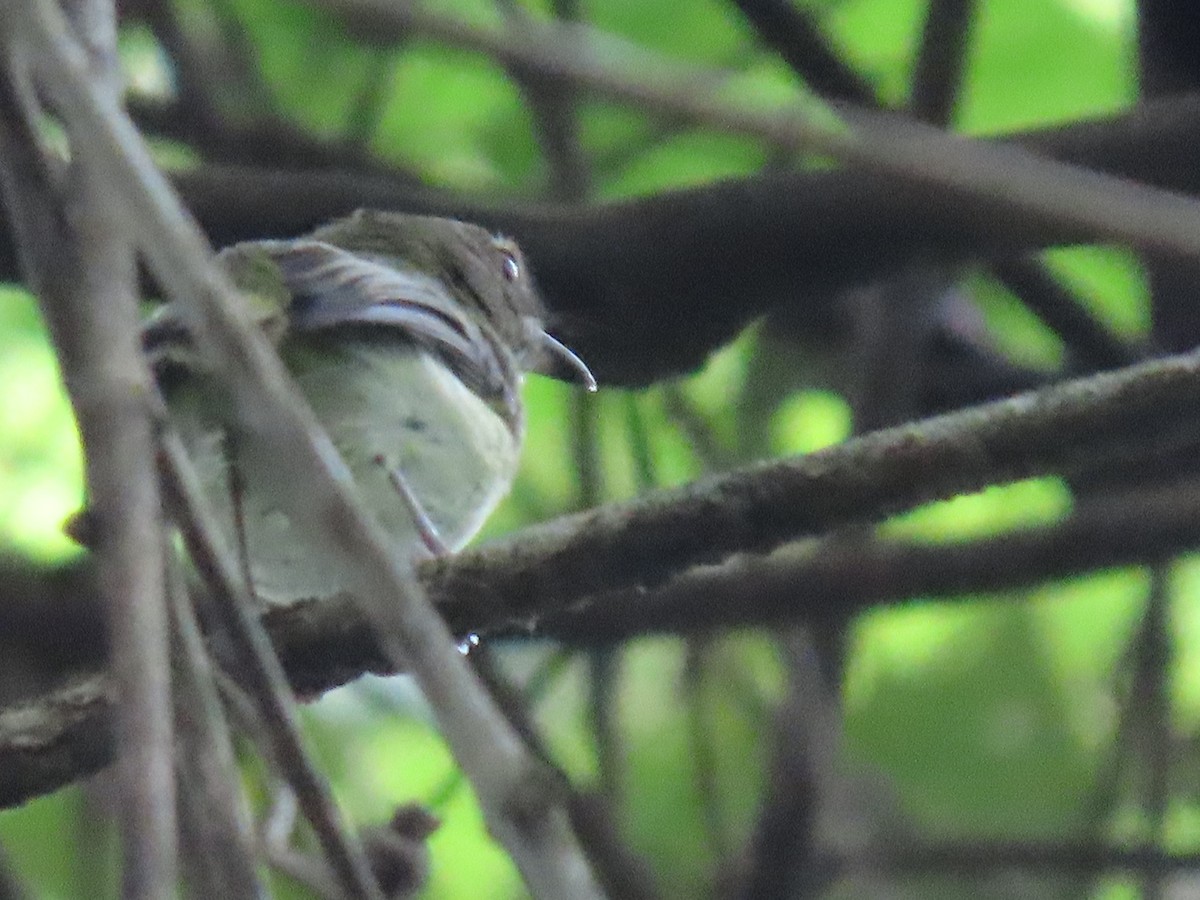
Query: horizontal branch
point(988, 858)
point(838, 577)
point(64, 734)
point(1120, 417)
point(1129, 415)
point(620, 276)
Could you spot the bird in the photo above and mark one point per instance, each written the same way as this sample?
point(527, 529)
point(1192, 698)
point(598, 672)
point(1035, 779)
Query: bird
point(410, 337)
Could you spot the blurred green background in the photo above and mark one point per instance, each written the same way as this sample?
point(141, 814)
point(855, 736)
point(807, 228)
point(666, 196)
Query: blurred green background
point(993, 718)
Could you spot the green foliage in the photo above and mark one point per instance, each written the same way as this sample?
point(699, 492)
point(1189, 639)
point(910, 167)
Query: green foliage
point(1070, 60)
point(486, 142)
point(986, 717)
point(1110, 282)
point(40, 466)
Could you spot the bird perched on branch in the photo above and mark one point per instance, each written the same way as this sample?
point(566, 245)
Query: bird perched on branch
point(410, 337)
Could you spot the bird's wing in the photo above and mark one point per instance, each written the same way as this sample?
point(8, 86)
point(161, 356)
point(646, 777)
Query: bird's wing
point(168, 341)
point(333, 288)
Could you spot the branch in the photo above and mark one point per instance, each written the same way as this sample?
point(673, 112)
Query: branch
point(85, 277)
point(793, 33)
point(1126, 415)
point(1036, 190)
point(61, 736)
point(56, 738)
point(975, 860)
point(835, 578)
point(310, 481)
point(937, 76)
point(635, 546)
point(260, 669)
point(215, 816)
point(620, 276)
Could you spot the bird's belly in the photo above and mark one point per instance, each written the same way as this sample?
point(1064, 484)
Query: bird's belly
point(403, 410)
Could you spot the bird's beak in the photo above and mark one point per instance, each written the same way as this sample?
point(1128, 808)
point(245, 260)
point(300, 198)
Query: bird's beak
point(564, 364)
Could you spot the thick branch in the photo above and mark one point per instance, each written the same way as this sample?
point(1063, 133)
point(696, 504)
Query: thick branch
point(623, 275)
point(63, 735)
point(1034, 189)
point(1129, 415)
point(84, 273)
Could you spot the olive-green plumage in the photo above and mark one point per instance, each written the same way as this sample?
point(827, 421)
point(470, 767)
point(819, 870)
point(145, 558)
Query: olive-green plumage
point(410, 337)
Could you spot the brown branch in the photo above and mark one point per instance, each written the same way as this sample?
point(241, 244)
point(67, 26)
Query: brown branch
point(1125, 415)
point(307, 476)
point(218, 849)
point(84, 274)
point(323, 645)
point(637, 545)
point(793, 33)
point(1092, 344)
point(984, 858)
point(622, 276)
point(838, 577)
point(1034, 189)
point(264, 677)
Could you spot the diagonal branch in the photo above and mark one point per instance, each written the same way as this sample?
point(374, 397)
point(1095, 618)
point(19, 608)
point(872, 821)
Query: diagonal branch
point(85, 277)
point(1123, 416)
point(1038, 189)
point(309, 479)
point(62, 735)
point(622, 275)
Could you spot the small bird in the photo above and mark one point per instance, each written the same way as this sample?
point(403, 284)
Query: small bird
point(410, 337)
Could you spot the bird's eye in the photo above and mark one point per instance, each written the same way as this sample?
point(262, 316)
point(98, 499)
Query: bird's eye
point(510, 266)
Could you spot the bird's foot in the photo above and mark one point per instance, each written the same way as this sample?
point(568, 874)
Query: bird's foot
point(425, 528)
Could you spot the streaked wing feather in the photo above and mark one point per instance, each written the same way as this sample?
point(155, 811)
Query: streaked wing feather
point(332, 287)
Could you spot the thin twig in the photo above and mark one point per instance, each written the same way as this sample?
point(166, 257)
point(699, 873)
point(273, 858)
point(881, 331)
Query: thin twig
point(1107, 208)
point(213, 807)
point(261, 668)
point(701, 737)
point(552, 105)
point(1091, 343)
point(806, 787)
point(1151, 708)
point(603, 662)
point(937, 76)
point(793, 32)
point(621, 872)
